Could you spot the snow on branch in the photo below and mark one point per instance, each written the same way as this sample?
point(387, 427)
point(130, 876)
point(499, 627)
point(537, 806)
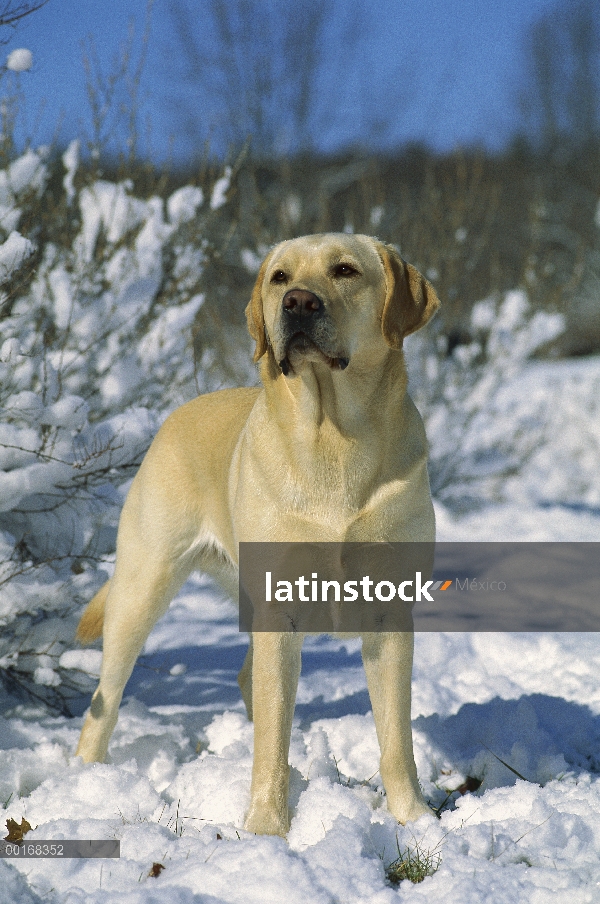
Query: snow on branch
point(96, 350)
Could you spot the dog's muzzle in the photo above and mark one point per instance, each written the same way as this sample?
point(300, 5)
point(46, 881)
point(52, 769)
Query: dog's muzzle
point(305, 327)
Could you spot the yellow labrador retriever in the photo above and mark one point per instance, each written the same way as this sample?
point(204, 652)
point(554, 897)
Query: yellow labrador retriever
point(331, 448)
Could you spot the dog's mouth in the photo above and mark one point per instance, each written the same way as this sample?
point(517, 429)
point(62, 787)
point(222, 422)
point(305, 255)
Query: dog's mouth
point(301, 347)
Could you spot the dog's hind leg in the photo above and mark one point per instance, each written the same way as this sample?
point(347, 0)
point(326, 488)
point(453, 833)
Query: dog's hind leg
point(137, 597)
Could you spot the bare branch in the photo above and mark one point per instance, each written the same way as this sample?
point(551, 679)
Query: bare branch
point(12, 13)
point(275, 73)
point(560, 101)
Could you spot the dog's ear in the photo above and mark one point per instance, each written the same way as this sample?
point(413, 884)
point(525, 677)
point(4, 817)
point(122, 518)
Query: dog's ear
point(254, 314)
point(410, 300)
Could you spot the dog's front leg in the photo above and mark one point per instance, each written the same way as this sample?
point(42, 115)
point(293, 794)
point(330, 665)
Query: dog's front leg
point(275, 673)
point(387, 658)
point(245, 681)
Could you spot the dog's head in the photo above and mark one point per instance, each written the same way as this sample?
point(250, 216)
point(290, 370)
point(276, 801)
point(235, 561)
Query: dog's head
point(334, 299)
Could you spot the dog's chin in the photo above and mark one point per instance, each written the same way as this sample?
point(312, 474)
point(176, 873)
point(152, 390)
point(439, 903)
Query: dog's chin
point(301, 351)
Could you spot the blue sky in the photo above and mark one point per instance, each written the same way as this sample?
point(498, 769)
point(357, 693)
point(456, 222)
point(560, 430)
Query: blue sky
point(458, 66)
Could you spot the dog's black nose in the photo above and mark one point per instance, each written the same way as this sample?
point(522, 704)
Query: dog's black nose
point(301, 302)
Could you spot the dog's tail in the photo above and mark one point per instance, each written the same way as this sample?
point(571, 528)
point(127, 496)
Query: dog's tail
point(90, 625)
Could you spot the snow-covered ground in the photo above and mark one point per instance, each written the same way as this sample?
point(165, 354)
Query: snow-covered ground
point(177, 785)
point(486, 707)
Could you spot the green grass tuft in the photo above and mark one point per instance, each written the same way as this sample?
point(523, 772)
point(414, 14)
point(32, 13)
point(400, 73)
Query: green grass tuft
point(414, 864)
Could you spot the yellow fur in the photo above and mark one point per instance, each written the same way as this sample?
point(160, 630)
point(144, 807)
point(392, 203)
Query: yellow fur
point(92, 620)
point(331, 448)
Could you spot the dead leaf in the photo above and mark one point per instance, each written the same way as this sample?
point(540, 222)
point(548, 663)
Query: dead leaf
point(156, 870)
point(470, 784)
point(16, 831)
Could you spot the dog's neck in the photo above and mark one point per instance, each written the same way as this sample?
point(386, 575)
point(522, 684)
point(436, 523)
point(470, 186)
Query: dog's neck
point(319, 398)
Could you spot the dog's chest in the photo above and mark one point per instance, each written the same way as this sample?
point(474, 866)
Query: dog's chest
point(317, 492)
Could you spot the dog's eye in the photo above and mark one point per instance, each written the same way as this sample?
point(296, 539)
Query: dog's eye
point(279, 276)
point(344, 270)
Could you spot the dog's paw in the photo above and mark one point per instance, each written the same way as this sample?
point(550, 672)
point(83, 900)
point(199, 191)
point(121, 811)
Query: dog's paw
point(267, 821)
point(409, 810)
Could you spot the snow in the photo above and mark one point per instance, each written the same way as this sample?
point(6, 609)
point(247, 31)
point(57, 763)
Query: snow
point(183, 204)
point(176, 787)
point(220, 189)
point(19, 60)
point(12, 254)
point(70, 160)
point(28, 172)
point(87, 660)
point(180, 777)
point(10, 349)
point(181, 757)
point(109, 207)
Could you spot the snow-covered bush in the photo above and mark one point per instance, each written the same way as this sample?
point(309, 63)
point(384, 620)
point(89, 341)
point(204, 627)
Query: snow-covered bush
point(474, 447)
point(95, 350)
